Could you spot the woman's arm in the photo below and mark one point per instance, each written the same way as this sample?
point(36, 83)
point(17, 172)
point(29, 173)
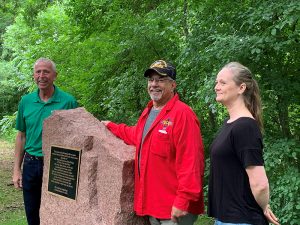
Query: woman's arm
point(259, 185)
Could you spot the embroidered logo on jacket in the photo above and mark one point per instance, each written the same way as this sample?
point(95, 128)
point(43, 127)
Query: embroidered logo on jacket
point(165, 123)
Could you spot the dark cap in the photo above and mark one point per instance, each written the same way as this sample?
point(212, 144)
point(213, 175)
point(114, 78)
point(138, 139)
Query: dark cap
point(163, 68)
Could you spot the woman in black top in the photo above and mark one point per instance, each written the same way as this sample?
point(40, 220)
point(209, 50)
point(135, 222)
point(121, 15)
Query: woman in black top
point(238, 185)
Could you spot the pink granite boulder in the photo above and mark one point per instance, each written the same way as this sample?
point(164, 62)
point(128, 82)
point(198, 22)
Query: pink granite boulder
point(106, 184)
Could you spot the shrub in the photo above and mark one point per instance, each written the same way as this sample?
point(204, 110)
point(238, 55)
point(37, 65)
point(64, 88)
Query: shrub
point(282, 166)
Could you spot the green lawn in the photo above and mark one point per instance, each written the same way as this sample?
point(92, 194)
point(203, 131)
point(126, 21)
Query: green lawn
point(204, 220)
point(11, 201)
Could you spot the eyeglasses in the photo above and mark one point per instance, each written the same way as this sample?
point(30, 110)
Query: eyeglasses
point(158, 80)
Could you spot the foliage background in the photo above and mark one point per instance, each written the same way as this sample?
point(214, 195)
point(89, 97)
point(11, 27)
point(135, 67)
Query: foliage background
point(102, 48)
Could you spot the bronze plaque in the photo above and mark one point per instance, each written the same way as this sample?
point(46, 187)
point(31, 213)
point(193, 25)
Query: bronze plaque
point(64, 171)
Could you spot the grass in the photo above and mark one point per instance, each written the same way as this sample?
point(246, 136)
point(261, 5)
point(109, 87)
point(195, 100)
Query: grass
point(204, 220)
point(11, 200)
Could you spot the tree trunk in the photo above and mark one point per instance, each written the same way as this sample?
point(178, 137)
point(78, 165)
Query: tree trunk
point(212, 119)
point(185, 18)
point(283, 115)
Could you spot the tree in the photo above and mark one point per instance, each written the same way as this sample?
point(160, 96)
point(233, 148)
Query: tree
point(102, 49)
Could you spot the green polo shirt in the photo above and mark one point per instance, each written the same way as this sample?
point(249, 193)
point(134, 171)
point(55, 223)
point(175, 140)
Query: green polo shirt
point(32, 111)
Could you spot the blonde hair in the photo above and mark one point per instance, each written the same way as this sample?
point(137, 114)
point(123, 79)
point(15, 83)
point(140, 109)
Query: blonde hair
point(241, 74)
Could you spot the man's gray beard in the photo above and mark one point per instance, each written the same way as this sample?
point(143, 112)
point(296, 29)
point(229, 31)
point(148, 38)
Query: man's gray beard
point(154, 98)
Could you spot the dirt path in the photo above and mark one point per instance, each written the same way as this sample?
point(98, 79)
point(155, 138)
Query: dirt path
point(6, 155)
point(6, 161)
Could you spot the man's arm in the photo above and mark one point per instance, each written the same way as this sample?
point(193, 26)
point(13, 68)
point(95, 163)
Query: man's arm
point(126, 133)
point(259, 185)
point(189, 163)
point(19, 154)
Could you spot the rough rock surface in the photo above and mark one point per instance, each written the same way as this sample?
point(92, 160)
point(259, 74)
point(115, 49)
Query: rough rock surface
point(105, 187)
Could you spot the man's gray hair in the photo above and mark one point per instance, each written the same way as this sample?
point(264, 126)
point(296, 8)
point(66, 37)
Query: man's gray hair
point(46, 60)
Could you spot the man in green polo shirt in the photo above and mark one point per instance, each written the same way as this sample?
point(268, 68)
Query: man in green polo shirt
point(33, 109)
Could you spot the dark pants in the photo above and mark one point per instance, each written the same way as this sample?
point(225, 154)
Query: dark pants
point(32, 188)
point(188, 219)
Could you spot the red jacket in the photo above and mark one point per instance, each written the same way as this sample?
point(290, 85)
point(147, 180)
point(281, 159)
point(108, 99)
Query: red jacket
point(172, 162)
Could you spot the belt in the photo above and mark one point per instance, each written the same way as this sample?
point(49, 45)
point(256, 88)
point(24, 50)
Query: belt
point(33, 157)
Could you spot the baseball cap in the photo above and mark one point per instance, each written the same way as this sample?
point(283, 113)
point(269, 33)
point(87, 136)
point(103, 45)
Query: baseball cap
point(163, 68)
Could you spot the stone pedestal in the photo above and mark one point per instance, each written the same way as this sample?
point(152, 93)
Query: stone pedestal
point(106, 178)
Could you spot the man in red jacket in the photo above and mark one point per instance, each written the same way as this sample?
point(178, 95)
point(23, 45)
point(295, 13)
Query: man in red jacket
point(169, 160)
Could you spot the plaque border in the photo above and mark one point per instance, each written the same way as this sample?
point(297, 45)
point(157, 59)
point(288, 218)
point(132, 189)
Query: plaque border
point(78, 171)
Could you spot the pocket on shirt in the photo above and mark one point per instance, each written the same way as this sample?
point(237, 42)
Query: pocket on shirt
point(160, 145)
